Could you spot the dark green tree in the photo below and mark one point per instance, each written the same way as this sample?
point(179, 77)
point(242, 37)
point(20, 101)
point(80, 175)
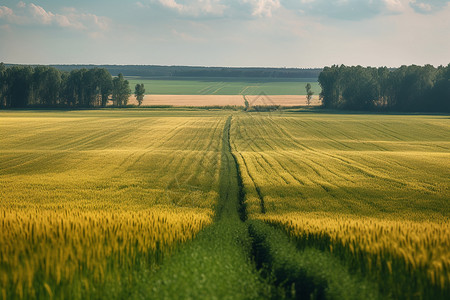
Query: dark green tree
point(121, 91)
point(139, 92)
point(19, 86)
point(104, 84)
point(73, 88)
point(412, 87)
point(309, 93)
point(330, 81)
point(90, 88)
point(46, 86)
point(3, 85)
point(441, 90)
point(360, 88)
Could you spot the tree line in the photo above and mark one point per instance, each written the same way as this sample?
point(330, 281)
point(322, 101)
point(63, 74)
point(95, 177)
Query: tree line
point(408, 88)
point(192, 71)
point(44, 86)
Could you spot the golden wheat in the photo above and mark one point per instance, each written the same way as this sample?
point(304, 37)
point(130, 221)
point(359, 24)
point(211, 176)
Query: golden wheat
point(62, 245)
point(420, 246)
point(89, 197)
point(371, 188)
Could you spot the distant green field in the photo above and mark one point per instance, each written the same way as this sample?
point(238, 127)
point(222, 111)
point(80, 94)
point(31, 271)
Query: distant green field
point(225, 86)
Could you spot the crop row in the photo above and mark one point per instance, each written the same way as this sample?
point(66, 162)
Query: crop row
point(372, 190)
point(405, 257)
point(47, 252)
point(91, 199)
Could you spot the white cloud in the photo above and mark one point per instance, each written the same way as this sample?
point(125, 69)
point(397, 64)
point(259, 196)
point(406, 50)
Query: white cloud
point(335, 9)
point(359, 10)
point(428, 6)
point(40, 14)
point(6, 12)
point(9, 16)
point(263, 8)
point(212, 7)
point(173, 4)
point(424, 7)
point(395, 6)
point(141, 5)
point(33, 14)
point(194, 7)
point(63, 21)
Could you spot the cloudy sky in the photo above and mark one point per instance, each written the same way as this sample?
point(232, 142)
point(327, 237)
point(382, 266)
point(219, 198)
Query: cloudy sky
point(278, 33)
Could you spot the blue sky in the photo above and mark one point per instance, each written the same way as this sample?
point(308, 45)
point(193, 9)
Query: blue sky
point(278, 33)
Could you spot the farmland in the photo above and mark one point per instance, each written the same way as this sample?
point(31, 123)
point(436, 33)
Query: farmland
point(225, 100)
point(225, 86)
point(224, 91)
point(89, 198)
point(194, 203)
point(371, 189)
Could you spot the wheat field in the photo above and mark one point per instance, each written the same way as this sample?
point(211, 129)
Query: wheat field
point(93, 202)
point(371, 189)
point(88, 198)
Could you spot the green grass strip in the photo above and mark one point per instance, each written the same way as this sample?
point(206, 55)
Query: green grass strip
point(217, 264)
point(305, 274)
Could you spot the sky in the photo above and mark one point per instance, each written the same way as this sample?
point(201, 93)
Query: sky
point(240, 33)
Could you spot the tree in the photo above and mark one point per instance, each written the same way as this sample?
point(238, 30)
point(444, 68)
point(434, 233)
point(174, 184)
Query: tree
point(120, 91)
point(46, 86)
point(19, 79)
point(105, 85)
point(73, 88)
point(309, 93)
point(441, 90)
point(3, 85)
point(361, 90)
point(139, 92)
point(23, 86)
point(330, 81)
point(89, 87)
point(412, 87)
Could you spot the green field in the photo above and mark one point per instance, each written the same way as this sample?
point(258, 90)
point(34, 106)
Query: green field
point(225, 86)
point(201, 204)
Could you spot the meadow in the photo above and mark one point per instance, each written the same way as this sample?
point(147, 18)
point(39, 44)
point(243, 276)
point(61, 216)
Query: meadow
point(214, 203)
point(225, 86)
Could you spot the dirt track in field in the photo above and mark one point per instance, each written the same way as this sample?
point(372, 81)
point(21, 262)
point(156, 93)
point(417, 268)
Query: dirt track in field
point(223, 100)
